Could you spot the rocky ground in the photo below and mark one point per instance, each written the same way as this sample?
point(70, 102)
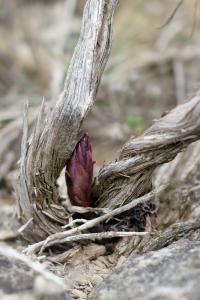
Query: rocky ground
point(170, 273)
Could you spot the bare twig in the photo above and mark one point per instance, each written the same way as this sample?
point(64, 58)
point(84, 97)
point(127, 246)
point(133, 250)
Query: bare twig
point(23, 202)
point(95, 236)
point(195, 18)
point(74, 222)
point(22, 228)
point(173, 13)
point(53, 239)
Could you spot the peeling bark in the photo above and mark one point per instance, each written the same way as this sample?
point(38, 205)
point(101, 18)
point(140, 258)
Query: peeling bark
point(131, 176)
point(57, 133)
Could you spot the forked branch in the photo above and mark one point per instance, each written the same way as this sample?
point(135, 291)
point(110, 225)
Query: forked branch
point(131, 176)
point(57, 132)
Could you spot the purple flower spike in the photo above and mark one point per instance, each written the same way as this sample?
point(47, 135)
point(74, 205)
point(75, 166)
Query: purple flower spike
point(79, 173)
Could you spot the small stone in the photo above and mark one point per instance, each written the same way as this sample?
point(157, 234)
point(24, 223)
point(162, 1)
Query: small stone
point(78, 294)
point(7, 234)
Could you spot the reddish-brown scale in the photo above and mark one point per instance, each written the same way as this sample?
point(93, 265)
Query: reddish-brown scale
point(79, 173)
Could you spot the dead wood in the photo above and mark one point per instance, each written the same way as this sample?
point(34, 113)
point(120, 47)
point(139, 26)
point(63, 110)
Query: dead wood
point(57, 133)
point(179, 200)
point(93, 237)
point(131, 176)
point(167, 237)
point(72, 234)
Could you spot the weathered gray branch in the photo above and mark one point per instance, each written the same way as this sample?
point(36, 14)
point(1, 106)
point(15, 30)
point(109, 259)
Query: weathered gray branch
point(167, 237)
point(57, 133)
point(61, 236)
point(131, 176)
point(179, 200)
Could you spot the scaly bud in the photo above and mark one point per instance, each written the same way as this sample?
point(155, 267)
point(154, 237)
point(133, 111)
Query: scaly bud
point(79, 173)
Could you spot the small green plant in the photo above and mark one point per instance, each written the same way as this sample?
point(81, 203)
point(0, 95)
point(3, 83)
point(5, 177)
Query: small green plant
point(135, 122)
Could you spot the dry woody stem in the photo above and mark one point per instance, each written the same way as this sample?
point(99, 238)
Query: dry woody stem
point(171, 234)
point(56, 133)
point(119, 184)
point(74, 233)
point(131, 176)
